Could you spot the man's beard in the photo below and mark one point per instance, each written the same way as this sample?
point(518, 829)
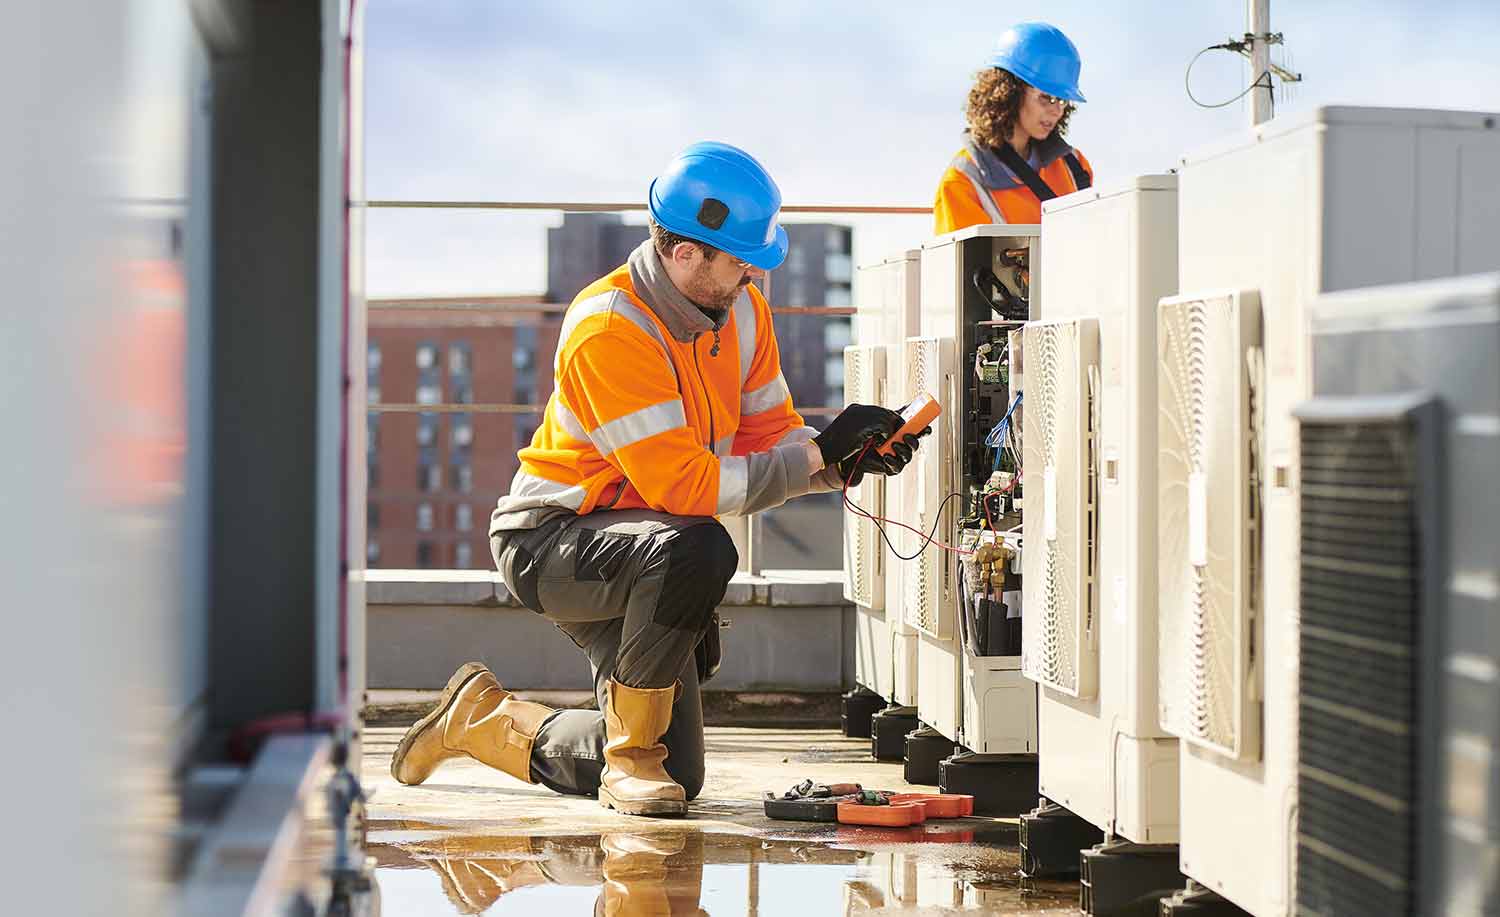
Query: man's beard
point(714, 302)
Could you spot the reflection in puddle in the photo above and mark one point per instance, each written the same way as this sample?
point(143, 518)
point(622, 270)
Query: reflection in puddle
point(426, 868)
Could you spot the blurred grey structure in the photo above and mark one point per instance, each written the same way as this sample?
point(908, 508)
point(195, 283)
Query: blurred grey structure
point(184, 657)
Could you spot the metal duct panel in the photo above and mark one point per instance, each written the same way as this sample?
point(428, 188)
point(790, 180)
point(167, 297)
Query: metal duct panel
point(1362, 651)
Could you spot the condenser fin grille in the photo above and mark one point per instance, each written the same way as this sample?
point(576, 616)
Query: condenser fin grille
point(1059, 646)
point(1359, 692)
point(1208, 521)
point(864, 574)
point(929, 599)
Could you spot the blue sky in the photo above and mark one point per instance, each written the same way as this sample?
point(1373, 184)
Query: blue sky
point(844, 102)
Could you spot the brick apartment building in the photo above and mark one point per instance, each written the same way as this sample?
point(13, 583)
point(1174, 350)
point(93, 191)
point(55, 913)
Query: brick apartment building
point(435, 476)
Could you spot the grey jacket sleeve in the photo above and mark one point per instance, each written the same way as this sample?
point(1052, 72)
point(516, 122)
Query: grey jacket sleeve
point(776, 476)
point(824, 479)
point(784, 473)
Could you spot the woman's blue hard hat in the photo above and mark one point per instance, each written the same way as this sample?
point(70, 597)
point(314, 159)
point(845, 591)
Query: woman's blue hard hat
point(1042, 55)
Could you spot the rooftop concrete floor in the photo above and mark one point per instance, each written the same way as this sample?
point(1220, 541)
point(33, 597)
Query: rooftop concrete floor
point(474, 841)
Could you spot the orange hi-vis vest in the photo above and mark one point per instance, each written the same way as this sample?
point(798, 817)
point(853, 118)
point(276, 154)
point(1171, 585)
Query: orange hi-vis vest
point(965, 198)
point(655, 408)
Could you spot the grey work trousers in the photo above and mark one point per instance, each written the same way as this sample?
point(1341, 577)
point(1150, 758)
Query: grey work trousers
point(635, 590)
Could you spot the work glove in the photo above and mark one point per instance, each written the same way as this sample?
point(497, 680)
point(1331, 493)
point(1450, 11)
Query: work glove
point(867, 461)
point(855, 426)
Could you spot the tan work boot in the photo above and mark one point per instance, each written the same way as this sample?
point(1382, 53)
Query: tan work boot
point(476, 872)
point(650, 875)
point(634, 781)
point(477, 718)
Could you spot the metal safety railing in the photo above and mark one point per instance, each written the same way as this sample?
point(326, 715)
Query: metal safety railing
point(747, 532)
point(600, 207)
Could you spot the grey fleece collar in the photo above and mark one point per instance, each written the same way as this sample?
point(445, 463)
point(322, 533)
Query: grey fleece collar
point(994, 173)
point(683, 318)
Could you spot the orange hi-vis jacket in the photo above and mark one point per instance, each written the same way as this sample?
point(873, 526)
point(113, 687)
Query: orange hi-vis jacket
point(655, 408)
point(968, 194)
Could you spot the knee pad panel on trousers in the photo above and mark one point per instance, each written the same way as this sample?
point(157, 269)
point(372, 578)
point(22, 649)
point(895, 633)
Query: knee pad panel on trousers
point(698, 564)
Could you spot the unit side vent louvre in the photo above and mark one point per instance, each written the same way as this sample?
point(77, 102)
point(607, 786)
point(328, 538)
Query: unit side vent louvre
point(929, 599)
point(1060, 639)
point(1360, 639)
point(1207, 505)
point(864, 553)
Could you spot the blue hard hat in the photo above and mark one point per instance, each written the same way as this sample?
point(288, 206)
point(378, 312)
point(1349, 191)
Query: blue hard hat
point(718, 194)
point(1041, 55)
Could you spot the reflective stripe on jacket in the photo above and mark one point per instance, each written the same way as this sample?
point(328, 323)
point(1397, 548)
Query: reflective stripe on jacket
point(966, 195)
point(645, 415)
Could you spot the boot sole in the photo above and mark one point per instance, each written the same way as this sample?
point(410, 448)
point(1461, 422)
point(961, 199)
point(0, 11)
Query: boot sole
point(641, 806)
point(460, 678)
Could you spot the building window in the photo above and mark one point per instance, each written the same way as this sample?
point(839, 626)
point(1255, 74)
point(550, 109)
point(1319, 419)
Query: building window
point(429, 393)
point(424, 517)
point(463, 477)
point(463, 517)
point(463, 555)
point(458, 359)
point(525, 429)
point(427, 429)
point(372, 516)
point(372, 450)
point(372, 373)
point(429, 478)
point(462, 393)
point(427, 356)
point(838, 267)
point(463, 431)
point(424, 554)
point(833, 380)
point(372, 553)
point(524, 356)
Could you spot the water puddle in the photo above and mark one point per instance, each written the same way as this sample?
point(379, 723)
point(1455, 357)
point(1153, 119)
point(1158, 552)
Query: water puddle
point(675, 868)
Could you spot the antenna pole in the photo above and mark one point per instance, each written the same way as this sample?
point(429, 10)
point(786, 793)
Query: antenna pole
point(1258, 13)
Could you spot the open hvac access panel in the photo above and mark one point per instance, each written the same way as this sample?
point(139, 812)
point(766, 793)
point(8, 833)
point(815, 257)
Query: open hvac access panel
point(963, 587)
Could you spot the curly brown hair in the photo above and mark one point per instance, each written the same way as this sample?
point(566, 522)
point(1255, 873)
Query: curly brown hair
point(995, 105)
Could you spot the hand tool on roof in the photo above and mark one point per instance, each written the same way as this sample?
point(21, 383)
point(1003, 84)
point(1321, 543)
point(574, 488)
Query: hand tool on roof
point(808, 801)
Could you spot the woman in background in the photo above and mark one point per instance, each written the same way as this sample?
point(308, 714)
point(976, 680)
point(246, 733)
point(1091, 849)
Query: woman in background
point(1014, 156)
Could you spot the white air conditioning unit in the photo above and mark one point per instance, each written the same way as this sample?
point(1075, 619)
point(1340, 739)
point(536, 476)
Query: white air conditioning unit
point(1112, 254)
point(885, 647)
point(931, 594)
point(1060, 642)
point(1207, 506)
point(931, 578)
point(864, 554)
point(965, 699)
point(1288, 211)
point(1398, 466)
